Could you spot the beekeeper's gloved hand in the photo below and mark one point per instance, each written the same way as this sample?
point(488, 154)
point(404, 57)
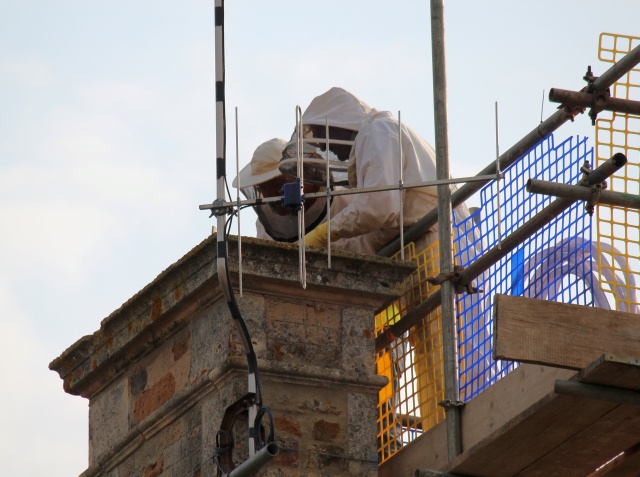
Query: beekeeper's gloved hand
point(318, 236)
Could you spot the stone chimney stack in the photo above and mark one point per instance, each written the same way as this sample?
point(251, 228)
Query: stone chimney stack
point(162, 370)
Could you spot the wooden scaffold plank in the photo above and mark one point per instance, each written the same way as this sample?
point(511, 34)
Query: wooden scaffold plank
point(558, 334)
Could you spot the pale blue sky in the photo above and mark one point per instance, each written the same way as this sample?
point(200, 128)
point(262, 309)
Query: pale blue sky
point(107, 141)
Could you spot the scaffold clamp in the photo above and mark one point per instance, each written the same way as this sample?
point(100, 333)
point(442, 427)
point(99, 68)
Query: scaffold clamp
point(594, 198)
point(599, 95)
point(453, 277)
point(218, 208)
point(449, 404)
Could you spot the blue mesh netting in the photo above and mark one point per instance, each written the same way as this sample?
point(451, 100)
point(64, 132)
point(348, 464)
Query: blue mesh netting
point(553, 264)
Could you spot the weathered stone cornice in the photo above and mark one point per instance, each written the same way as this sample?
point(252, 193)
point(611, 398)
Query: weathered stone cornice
point(167, 303)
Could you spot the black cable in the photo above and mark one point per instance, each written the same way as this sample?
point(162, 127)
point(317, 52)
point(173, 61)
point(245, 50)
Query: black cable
point(222, 450)
point(252, 360)
point(227, 226)
point(226, 184)
point(271, 438)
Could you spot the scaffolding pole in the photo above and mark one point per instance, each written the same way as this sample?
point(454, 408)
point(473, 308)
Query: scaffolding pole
point(598, 392)
point(577, 192)
point(451, 401)
point(618, 70)
point(589, 100)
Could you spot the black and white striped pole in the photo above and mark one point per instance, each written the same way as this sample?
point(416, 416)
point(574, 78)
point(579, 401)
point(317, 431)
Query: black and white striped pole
point(221, 175)
point(222, 243)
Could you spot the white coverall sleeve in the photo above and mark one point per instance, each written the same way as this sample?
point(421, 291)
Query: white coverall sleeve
point(377, 164)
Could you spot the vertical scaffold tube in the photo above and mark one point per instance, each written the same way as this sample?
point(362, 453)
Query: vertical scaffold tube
point(451, 392)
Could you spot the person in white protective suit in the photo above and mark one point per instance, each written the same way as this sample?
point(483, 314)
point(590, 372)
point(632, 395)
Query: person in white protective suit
point(261, 178)
point(370, 220)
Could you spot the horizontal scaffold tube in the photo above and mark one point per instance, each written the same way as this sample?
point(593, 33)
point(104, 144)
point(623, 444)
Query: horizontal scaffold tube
point(617, 199)
point(589, 100)
point(254, 463)
point(595, 391)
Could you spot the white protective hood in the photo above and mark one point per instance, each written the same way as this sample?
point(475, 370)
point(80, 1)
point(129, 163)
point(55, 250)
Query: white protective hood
point(342, 108)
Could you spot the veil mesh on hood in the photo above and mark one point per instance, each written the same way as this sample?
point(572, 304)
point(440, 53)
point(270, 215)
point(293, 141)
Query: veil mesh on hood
point(342, 111)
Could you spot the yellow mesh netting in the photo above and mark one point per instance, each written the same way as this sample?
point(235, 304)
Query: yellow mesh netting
point(617, 228)
point(408, 405)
